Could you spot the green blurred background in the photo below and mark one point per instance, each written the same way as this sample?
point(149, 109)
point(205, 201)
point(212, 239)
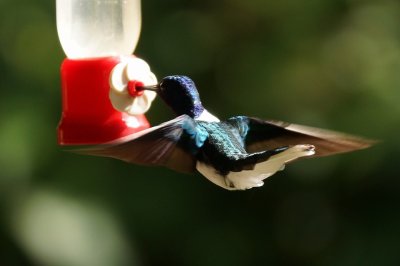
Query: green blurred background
point(326, 63)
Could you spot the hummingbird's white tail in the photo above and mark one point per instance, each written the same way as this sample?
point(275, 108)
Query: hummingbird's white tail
point(247, 179)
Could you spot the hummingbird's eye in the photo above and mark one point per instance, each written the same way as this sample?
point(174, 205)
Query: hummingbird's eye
point(161, 85)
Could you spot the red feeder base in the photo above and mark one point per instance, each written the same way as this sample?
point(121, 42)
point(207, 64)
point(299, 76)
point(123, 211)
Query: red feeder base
point(88, 116)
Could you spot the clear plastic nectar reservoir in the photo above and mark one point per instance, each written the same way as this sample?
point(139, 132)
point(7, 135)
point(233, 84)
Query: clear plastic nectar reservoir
point(98, 28)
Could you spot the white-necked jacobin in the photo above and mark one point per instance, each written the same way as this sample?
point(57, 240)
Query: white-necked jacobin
point(236, 154)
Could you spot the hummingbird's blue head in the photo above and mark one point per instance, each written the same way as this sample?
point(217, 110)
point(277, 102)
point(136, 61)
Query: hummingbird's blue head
point(181, 94)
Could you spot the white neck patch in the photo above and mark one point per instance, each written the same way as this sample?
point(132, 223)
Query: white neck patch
point(207, 117)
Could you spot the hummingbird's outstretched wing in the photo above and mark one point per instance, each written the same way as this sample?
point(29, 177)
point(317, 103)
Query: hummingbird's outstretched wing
point(156, 146)
point(260, 135)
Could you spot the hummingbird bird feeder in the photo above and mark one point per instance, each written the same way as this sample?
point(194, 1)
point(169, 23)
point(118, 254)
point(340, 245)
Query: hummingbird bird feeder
point(99, 75)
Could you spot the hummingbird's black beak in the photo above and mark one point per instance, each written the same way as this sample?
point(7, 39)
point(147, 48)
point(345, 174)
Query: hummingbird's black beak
point(155, 88)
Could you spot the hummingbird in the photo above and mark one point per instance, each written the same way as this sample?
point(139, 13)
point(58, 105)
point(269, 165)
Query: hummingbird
point(236, 154)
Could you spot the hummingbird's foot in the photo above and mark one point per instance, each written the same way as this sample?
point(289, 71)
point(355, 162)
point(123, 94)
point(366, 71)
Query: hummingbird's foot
point(235, 185)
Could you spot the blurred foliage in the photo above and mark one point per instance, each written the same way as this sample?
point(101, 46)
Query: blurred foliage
point(327, 63)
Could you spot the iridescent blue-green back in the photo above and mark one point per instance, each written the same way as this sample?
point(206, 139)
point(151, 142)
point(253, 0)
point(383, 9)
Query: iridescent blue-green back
point(223, 147)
